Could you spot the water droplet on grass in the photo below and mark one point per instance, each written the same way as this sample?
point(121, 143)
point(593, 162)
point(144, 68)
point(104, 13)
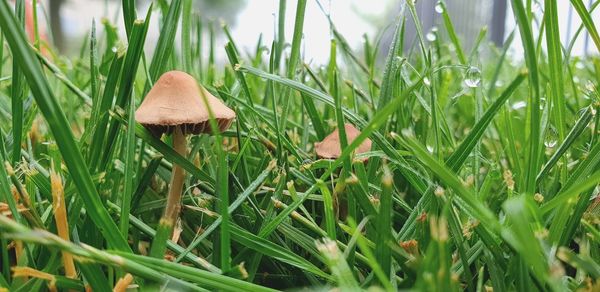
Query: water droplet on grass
point(519, 105)
point(551, 137)
point(542, 103)
point(426, 81)
point(473, 77)
point(439, 7)
point(432, 35)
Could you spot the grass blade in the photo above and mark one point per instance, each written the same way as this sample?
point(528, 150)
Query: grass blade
point(534, 103)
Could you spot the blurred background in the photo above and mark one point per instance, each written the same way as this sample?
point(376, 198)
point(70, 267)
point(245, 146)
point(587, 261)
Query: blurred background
point(70, 22)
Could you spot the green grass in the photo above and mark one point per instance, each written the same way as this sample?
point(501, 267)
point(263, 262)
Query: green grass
point(464, 189)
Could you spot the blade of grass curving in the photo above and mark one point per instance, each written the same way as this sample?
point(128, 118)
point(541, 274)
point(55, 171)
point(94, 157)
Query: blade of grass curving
point(534, 102)
point(55, 117)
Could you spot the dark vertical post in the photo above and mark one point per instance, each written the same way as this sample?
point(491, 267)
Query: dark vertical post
point(56, 23)
point(498, 22)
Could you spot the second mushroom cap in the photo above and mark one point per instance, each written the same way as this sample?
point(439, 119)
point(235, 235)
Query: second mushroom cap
point(330, 147)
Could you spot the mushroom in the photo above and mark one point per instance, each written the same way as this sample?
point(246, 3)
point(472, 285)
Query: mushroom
point(177, 105)
point(330, 147)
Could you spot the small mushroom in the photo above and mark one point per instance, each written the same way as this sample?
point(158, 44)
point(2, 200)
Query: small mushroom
point(330, 147)
point(175, 105)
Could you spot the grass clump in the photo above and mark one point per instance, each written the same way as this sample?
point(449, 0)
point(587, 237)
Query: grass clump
point(483, 171)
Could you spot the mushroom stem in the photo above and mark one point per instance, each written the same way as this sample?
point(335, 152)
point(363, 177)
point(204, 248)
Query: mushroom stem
point(171, 213)
point(177, 177)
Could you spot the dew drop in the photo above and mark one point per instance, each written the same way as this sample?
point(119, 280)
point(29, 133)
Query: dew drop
point(542, 103)
point(439, 7)
point(430, 148)
point(473, 77)
point(426, 81)
point(551, 138)
point(519, 105)
point(431, 36)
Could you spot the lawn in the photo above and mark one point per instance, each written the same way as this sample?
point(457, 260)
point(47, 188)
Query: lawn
point(443, 168)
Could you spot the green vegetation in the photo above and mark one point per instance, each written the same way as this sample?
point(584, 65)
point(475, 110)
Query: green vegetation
point(484, 169)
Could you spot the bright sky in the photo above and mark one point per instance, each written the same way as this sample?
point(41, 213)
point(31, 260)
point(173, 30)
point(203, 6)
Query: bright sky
point(352, 18)
point(259, 17)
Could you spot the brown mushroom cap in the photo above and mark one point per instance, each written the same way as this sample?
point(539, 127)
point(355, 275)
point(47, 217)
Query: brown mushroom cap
point(176, 100)
point(330, 147)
